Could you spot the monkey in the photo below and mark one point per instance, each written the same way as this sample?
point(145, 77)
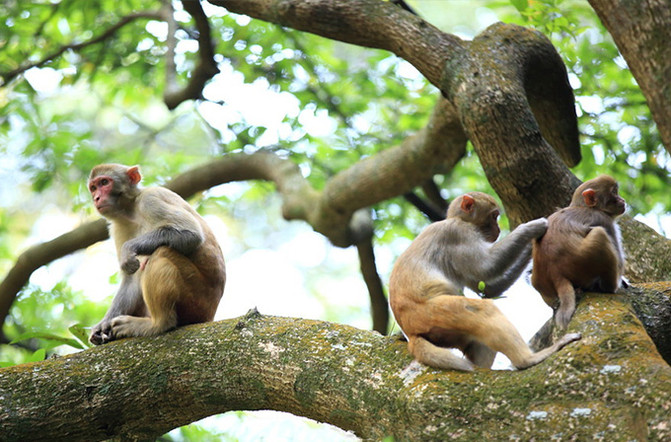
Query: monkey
point(427, 282)
point(581, 249)
point(172, 268)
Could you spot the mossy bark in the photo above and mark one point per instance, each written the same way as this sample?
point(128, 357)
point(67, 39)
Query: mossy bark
point(611, 385)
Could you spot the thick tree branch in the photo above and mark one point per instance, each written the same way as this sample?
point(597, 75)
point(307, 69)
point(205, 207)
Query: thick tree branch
point(652, 304)
point(369, 23)
point(109, 32)
point(612, 384)
point(648, 254)
point(509, 87)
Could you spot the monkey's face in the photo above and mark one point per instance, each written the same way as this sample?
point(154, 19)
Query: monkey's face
point(489, 226)
point(101, 188)
point(614, 204)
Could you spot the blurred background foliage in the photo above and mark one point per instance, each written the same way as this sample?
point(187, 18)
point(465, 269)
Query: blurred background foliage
point(323, 104)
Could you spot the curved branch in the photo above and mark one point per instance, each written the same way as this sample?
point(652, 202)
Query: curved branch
point(436, 148)
point(513, 111)
point(509, 86)
point(8, 76)
point(358, 380)
point(369, 23)
point(205, 69)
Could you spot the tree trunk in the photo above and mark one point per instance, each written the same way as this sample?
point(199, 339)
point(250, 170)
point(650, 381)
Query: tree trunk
point(611, 385)
point(642, 32)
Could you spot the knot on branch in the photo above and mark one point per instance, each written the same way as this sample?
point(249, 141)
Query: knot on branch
point(251, 315)
point(513, 77)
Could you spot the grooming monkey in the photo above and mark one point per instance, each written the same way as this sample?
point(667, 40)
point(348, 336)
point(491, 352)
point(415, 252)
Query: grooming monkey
point(427, 282)
point(581, 248)
point(172, 269)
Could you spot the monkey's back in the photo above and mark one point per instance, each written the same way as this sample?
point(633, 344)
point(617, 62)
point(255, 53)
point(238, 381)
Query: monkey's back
point(208, 257)
point(419, 273)
point(576, 247)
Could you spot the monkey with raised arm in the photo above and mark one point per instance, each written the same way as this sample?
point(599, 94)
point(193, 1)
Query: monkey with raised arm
point(172, 268)
point(427, 282)
point(582, 248)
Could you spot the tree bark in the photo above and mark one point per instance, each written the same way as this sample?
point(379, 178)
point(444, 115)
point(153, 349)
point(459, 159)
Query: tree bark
point(611, 385)
point(642, 33)
point(652, 304)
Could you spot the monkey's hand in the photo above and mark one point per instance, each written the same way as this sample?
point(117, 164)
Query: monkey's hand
point(129, 261)
point(536, 228)
point(101, 333)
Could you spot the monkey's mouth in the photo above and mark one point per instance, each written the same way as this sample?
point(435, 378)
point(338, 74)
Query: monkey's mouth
point(103, 208)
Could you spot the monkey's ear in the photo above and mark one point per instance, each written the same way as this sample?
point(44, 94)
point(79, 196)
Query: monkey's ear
point(467, 203)
point(133, 174)
point(589, 195)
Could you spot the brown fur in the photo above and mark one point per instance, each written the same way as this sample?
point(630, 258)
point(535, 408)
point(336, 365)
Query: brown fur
point(581, 249)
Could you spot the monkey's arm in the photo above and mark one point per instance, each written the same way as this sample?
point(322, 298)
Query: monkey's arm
point(494, 287)
point(511, 253)
point(171, 224)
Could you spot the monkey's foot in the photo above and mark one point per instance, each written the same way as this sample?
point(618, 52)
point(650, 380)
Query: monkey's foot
point(126, 326)
point(568, 338)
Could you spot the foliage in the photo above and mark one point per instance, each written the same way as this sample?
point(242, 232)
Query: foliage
point(41, 319)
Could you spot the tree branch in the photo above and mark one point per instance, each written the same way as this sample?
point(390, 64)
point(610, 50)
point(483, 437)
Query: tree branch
point(205, 69)
point(641, 32)
point(427, 208)
point(369, 23)
point(521, 103)
point(379, 306)
point(9, 76)
point(612, 384)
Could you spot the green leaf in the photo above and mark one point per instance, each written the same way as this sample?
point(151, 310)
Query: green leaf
point(39, 355)
point(520, 5)
point(81, 334)
point(58, 340)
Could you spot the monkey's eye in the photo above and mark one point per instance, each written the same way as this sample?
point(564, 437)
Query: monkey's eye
point(92, 188)
point(104, 182)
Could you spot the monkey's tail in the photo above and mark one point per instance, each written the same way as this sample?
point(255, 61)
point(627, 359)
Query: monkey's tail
point(437, 357)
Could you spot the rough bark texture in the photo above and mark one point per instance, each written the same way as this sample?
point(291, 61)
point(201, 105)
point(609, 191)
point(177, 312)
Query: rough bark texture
point(611, 385)
point(642, 33)
point(652, 304)
point(648, 253)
